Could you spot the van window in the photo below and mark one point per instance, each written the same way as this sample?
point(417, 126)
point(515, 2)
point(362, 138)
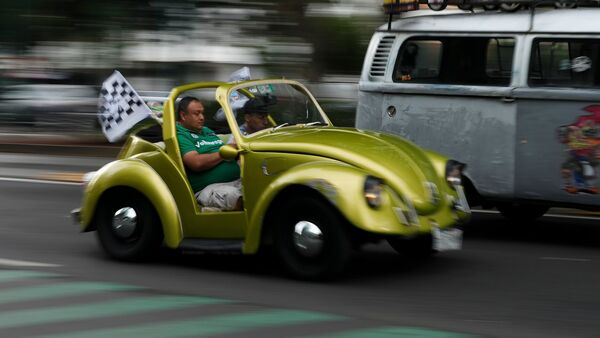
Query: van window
point(483, 61)
point(565, 62)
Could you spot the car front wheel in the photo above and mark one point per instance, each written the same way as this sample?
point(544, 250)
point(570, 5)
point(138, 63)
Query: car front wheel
point(128, 227)
point(311, 240)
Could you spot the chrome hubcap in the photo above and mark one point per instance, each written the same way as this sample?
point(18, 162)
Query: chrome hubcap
point(124, 222)
point(308, 239)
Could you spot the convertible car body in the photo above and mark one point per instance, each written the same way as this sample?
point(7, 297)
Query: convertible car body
point(311, 192)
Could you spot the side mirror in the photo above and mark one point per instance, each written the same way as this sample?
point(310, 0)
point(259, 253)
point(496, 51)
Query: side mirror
point(229, 152)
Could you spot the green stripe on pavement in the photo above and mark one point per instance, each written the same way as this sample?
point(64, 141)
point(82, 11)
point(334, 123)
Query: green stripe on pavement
point(396, 332)
point(207, 326)
point(58, 290)
point(12, 275)
point(103, 309)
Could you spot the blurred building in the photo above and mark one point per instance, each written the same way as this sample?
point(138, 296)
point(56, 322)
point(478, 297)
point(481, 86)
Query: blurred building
point(158, 44)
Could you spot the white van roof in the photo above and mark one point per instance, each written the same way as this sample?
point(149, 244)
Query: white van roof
point(570, 21)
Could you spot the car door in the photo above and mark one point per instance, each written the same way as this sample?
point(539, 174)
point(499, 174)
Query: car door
point(196, 223)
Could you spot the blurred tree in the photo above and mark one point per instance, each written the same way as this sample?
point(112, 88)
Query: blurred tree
point(338, 43)
point(291, 40)
point(23, 23)
point(339, 46)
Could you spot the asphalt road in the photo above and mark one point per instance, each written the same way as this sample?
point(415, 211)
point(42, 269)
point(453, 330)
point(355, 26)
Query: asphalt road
point(511, 280)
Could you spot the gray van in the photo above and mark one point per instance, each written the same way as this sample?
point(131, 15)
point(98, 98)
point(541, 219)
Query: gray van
point(516, 96)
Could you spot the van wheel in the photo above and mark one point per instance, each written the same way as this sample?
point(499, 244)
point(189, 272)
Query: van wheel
point(128, 227)
point(418, 247)
point(465, 5)
point(521, 212)
point(510, 6)
point(437, 5)
point(310, 239)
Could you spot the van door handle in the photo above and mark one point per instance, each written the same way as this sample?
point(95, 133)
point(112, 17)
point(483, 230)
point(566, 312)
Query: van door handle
point(508, 99)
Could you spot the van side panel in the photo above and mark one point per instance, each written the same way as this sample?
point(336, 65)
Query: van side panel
point(368, 111)
point(528, 131)
point(558, 158)
point(478, 130)
point(474, 124)
point(380, 57)
point(558, 120)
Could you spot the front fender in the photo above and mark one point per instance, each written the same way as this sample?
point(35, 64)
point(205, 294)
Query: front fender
point(136, 174)
point(342, 185)
point(438, 161)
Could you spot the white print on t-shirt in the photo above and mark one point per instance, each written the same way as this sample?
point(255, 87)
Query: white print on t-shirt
point(208, 143)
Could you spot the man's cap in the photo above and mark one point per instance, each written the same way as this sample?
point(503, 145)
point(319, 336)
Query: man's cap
point(257, 105)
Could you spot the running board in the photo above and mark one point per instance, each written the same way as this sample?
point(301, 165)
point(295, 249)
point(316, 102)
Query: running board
point(212, 245)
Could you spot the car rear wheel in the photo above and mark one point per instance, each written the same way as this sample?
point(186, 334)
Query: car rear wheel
point(418, 247)
point(521, 212)
point(128, 227)
point(311, 240)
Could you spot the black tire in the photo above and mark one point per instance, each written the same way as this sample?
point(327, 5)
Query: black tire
point(521, 212)
point(331, 259)
point(510, 6)
point(465, 6)
point(565, 4)
point(437, 5)
point(418, 247)
point(490, 7)
point(143, 243)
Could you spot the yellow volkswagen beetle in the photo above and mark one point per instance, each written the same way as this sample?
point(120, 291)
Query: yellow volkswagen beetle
point(311, 191)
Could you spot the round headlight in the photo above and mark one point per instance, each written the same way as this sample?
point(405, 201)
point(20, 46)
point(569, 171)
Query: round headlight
point(454, 170)
point(373, 187)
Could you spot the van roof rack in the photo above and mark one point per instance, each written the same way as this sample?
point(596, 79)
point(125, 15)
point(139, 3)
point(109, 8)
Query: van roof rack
point(392, 7)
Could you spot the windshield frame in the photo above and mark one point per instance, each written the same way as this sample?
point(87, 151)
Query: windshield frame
point(224, 92)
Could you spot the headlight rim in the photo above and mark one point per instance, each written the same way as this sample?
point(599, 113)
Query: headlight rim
point(454, 172)
point(372, 191)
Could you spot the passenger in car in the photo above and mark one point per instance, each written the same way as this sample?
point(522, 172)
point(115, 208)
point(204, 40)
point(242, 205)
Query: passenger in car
point(255, 117)
point(215, 182)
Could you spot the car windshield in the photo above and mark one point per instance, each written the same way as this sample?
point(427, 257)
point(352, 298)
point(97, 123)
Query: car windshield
point(277, 105)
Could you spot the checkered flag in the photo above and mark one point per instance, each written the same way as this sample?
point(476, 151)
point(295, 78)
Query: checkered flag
point(120, 107)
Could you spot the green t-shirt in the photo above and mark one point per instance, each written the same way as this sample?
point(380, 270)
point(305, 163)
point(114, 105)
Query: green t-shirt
point(205, 142)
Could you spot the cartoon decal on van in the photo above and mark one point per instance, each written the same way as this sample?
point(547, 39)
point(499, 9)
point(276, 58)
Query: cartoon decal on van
point(581, 167)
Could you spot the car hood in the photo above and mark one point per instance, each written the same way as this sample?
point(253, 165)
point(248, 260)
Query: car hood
point(401, 164)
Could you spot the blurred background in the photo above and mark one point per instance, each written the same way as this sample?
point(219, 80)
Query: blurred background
point(54, 54)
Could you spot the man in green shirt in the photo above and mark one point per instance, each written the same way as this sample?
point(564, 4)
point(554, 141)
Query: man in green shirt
point(216, 183)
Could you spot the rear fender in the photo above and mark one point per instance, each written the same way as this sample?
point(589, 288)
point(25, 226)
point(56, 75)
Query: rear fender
point(138, 175)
